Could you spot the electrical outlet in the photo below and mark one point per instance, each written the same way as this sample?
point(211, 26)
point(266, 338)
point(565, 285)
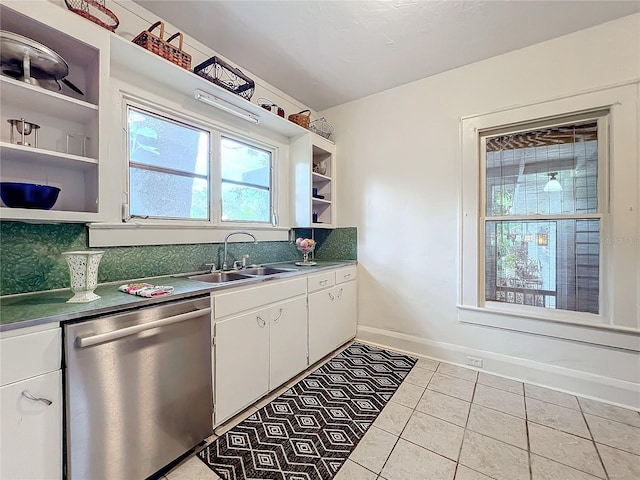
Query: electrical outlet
point(474, 362)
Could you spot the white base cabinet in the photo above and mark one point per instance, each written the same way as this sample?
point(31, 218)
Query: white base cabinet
point(257, 350)
point(346, 305)
point(241, 361)
point(31, 435)
point(332, 312)
point(266, 335)
point(288, 342)
point(31, 406)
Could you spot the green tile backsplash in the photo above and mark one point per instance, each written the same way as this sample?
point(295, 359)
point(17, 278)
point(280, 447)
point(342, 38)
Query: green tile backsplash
point(31, 260)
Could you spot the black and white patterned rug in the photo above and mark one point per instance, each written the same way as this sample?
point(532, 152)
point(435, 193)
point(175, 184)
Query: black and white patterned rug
point(309, 431)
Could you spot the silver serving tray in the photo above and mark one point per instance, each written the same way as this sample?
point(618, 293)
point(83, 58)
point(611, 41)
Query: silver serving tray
point(45, 63)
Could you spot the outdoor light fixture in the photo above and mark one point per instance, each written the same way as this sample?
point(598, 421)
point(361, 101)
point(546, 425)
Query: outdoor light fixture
point(553, 185)
point(225, 106)
point(543, 239)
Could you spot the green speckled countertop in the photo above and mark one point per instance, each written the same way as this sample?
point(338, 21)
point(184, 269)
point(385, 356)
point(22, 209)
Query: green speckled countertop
point(31, 309)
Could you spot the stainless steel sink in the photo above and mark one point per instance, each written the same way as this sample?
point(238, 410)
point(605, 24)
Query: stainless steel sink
point(219, 277)
point(265, 271)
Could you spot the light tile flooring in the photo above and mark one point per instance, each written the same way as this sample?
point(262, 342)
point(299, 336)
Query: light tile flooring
point(447, 422)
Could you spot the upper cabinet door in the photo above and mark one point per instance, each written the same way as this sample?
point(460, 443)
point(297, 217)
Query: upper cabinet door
point(60, 145)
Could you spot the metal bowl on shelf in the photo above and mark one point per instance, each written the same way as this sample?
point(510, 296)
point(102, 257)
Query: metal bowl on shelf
point(28, 195)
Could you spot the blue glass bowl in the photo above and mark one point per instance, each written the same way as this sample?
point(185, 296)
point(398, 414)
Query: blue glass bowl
point(28, 195)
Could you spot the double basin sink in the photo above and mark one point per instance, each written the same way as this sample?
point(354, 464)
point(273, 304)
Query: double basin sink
point(235, 276)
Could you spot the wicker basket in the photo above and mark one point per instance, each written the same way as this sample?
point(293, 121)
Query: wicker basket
point(95, 11)
point(162, 47)
point(302, 118)
point(322, 127)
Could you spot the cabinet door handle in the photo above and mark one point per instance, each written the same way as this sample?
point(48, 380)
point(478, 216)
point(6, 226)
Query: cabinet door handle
point(26, 394)
point(275, 320)
point(323, 282)
point(331, 296)
point(347, 275)
point(340, 293)
point(261, 322)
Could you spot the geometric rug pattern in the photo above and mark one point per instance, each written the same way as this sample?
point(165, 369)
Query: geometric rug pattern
point(310, 430)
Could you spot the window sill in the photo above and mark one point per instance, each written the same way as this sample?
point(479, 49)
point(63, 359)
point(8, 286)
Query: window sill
point(136, 234)
point(592, 333)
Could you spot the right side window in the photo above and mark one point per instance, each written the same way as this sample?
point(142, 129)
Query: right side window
point(542, 213)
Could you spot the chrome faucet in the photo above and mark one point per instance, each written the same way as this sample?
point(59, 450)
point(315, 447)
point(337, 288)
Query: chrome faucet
point(226, 241)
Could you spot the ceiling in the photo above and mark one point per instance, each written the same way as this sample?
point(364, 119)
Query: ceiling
point(325, 53)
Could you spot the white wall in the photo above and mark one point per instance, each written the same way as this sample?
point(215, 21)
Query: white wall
point(399, 177)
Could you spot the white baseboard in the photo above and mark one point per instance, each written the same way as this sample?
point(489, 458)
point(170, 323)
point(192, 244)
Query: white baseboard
point(597, 387)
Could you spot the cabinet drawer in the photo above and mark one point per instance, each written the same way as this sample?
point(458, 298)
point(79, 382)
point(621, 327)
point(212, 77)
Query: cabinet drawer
point(250, 298)
point(320, 281)
point(29, 355)
point(346, 274)
point(31, 437)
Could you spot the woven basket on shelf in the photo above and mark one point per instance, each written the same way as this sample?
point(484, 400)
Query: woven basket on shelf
point(162, 47)
point(95, 11)
point(322, 127)
point(302, 118)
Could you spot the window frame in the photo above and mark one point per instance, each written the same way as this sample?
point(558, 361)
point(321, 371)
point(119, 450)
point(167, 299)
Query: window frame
point(272, 180)
point(216, 133)
point(127, 216)
point(619, 279)
point(602, 117)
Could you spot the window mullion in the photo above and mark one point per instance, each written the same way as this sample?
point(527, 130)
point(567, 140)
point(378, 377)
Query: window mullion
point(216, 178)
point(171, 171)
point(535, 218)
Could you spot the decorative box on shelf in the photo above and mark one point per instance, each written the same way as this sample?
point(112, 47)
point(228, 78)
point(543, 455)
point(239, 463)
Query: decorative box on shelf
point(224, 75)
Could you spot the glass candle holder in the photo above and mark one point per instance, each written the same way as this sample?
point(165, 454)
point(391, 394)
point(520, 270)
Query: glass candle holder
point(305, 255)
point(83, 269)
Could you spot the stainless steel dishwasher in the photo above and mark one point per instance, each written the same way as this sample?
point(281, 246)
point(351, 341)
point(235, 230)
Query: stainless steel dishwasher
point(138, 389)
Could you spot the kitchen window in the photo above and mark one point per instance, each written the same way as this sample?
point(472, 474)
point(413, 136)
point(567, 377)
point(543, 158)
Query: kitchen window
point(171, 158)
point(246, 182)
point(543, 213)
point(548, 217)
point(187, 171)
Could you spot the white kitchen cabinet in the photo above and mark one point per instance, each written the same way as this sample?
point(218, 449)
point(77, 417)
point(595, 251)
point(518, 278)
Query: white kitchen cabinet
point(313, 169)
point(31, 433)
point(31, 429)
point(332, 312)
point(70, 147)
point(241, 361)
point(288, 343)
point(258, 350)
point(346, 305)
point(321, 324)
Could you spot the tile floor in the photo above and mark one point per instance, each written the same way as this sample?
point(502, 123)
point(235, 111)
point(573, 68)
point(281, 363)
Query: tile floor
point(447, 422)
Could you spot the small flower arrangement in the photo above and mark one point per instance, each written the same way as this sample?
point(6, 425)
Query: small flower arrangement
point(305, 245)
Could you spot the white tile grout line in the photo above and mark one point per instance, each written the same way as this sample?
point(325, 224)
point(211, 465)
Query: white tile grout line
point(593, 441)
point(526, 426)
point(466, 424)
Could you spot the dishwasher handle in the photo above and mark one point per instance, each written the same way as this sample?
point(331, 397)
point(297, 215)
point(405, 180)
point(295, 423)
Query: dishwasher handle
point(91, 340)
